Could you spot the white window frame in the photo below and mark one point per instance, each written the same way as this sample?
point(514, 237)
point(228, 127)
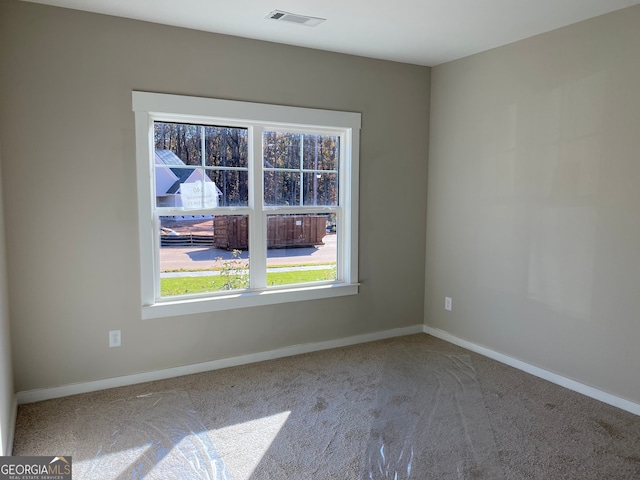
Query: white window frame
point(149, 107)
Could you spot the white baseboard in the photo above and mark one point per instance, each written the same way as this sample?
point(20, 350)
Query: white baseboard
point(11, 429)
point(587, 390)
point(31, 396)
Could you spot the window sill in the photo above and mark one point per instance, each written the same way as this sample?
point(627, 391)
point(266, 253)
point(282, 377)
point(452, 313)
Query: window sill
point(246, 299)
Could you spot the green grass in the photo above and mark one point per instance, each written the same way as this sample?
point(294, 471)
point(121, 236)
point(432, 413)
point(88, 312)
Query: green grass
point(300, 276)
point(215, 283)
point(216, 268)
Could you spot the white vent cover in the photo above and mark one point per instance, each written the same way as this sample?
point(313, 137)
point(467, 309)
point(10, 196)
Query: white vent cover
point(295, 18)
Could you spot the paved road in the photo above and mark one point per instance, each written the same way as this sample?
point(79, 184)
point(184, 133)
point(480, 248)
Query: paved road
point(175, 258)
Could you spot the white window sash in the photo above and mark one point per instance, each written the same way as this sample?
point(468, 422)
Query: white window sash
point(257, 118)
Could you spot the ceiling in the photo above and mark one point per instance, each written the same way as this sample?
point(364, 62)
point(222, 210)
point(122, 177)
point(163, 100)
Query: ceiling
point(422, 32)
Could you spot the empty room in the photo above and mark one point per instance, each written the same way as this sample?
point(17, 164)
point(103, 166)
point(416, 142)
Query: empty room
point(320, 240)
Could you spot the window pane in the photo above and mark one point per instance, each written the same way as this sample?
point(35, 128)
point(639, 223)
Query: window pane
point(226, 147)
point(232, 187)
point(301, 249)
point(171, 188)
point(281, 188)
point(281, 150)
point(203, 254)
point(321, 152)
point(177, 144)
point(320, 188)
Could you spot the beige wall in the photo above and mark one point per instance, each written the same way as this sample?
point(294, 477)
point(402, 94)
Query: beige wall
point(7, 397)
point(533, 222)
point(69, 178)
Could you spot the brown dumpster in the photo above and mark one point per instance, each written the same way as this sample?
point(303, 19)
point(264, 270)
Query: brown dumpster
point(283, 231)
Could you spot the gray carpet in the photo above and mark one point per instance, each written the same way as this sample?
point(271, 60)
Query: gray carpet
point(408, 408)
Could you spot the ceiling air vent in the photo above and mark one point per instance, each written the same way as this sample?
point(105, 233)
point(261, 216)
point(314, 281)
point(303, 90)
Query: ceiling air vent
point(295, 18)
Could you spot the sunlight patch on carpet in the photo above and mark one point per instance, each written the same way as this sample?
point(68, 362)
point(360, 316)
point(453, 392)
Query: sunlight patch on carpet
point(155, 436)
point(243, 445)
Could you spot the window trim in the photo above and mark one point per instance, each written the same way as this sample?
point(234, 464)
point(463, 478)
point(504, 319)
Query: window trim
point(149, 106)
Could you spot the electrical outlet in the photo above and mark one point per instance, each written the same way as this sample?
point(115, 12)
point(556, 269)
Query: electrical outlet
point(447, 303)
point(114, 338)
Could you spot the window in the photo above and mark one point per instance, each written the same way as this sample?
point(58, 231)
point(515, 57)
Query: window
point(243, 204)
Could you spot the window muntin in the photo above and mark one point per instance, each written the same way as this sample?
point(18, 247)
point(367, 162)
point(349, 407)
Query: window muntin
point(322, 181)
point(201, 167)
point(207, 167)
point(191, 153)
point(300, 168)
